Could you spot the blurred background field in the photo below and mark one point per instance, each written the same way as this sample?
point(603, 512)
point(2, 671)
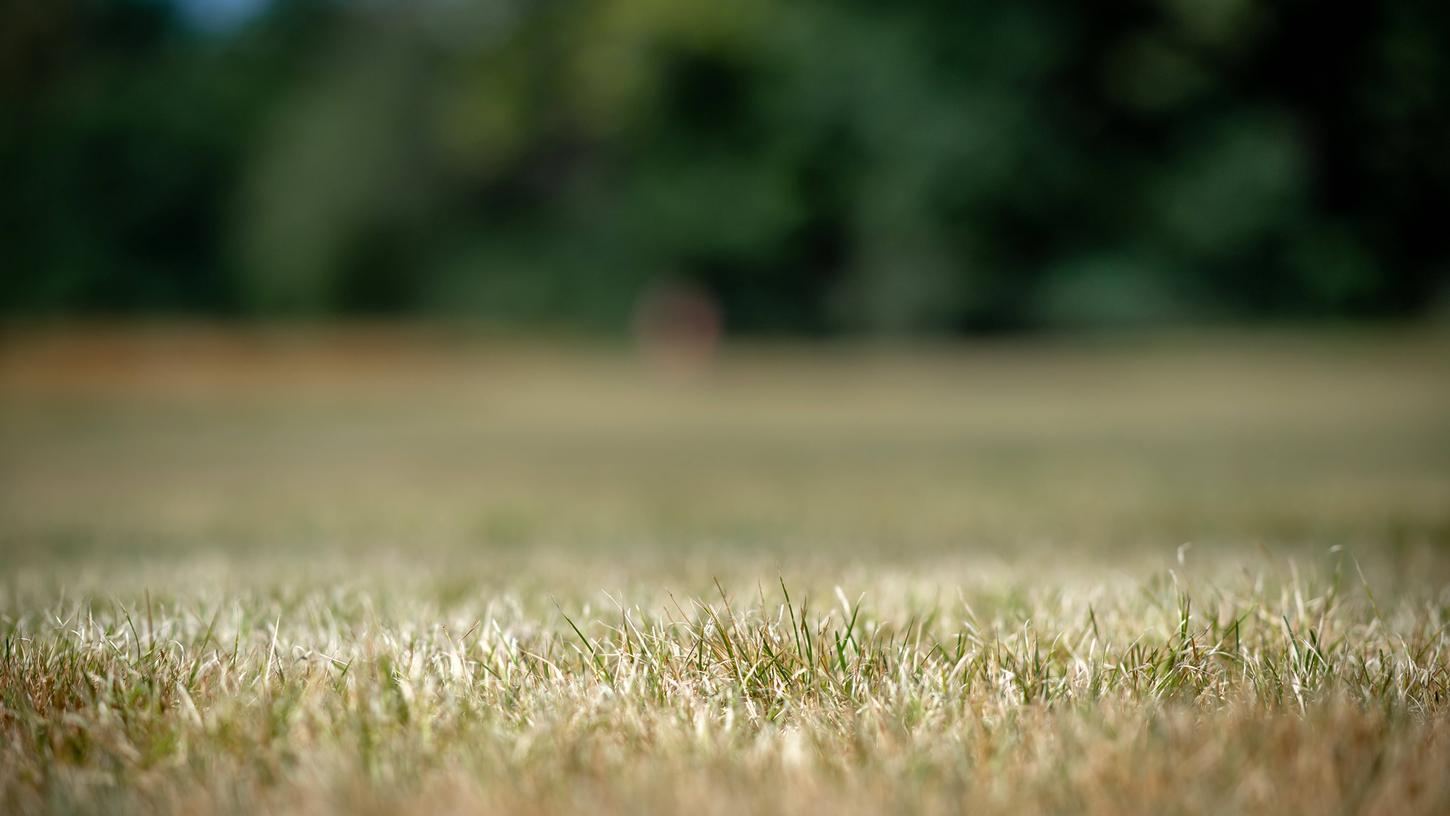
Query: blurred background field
point(688, 286)
point(128, 452)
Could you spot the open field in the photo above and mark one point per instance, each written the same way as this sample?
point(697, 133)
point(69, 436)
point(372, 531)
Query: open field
point(376, 570)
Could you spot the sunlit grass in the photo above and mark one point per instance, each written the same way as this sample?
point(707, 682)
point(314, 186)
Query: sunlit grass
point(1208, 578)
point(1271, 693)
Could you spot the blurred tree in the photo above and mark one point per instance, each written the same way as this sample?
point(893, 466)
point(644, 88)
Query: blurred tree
point(818, 167)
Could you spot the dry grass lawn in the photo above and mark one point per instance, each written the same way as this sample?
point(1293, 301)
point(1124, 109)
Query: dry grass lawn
point(378, 570)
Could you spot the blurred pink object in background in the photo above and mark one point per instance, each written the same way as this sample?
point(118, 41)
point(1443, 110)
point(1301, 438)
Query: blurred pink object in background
point(678, 327)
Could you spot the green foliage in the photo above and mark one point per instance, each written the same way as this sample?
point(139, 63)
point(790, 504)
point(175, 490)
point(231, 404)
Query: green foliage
point(818, 166)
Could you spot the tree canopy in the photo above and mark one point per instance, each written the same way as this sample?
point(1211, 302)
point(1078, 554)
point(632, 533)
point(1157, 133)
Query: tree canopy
point(818, 167)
